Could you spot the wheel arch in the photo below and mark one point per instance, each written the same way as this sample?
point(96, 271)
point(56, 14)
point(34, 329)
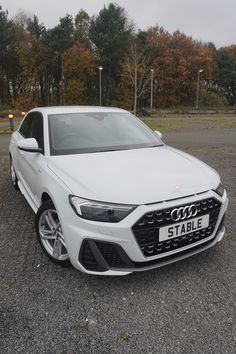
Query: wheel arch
point(45, 197)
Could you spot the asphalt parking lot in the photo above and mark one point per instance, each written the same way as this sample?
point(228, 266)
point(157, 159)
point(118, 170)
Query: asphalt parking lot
point(187, 307)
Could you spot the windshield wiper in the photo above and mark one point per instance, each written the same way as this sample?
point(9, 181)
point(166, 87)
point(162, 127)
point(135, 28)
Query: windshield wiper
point(131, 148)
point(109, 150)
point(152, 146)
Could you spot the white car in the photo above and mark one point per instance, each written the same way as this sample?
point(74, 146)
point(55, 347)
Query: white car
point(109, 196)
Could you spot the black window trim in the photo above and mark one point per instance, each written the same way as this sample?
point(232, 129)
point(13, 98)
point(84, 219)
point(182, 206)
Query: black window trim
point(29, 113)
point(22, 124)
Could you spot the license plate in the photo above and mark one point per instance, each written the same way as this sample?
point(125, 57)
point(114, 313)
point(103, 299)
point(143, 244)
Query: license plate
point(183, 228)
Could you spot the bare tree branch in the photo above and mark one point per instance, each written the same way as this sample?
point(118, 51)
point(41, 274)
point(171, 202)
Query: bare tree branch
point(136, 68)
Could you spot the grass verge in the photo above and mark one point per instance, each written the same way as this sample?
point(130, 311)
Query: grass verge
point(177, 123)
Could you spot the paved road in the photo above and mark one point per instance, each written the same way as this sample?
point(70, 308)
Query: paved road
point(187, 307)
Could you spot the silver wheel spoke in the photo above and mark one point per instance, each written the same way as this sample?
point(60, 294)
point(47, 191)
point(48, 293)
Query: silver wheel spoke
point(58, 226)
point(57, 248)
point(50, 221)
point(47, 234)
point(61, 238)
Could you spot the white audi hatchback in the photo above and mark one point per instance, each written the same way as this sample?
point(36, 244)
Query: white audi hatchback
point(109, 196)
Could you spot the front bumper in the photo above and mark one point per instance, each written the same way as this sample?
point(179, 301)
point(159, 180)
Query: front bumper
point(112, 249)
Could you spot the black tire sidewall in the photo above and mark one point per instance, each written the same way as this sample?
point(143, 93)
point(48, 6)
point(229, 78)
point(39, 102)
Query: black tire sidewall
point(15, 185)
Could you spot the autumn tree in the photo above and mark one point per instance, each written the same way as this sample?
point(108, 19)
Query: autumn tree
point(78, 70)
point(40, 66)
point(59, 39)
point(176, 67)
point(33, 72)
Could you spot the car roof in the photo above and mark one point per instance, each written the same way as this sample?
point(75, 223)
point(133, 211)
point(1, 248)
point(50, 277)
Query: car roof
point(76, 109)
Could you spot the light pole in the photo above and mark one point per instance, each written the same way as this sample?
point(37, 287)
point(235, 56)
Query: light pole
point(198, 84)
point(151, 101)
point(100, 68)
point(11, 116)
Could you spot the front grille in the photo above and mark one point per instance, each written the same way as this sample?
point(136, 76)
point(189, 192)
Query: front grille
point(146, 229)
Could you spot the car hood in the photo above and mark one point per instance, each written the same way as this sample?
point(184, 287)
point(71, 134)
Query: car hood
point(138, 176)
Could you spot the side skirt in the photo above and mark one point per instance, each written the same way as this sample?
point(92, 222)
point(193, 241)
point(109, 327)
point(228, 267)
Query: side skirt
point(27, 197)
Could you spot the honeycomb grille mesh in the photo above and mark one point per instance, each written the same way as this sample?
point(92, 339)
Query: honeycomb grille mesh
point(146, 229)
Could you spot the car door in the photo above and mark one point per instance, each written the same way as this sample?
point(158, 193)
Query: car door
point(23, 132)
point(29, 163)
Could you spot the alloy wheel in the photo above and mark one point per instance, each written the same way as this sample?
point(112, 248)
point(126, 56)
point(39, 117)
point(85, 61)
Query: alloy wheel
point(51, 235)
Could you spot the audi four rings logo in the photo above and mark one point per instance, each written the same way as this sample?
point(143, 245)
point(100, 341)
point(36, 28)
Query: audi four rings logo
point(184, 212)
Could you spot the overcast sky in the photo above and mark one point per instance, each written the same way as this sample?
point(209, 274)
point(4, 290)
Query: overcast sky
point(206, 20)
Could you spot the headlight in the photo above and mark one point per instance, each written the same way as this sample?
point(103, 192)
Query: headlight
point(220, 189)
point(99, 211)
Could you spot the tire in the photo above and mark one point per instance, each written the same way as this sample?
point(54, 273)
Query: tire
point(14, 179)
point(50, 236)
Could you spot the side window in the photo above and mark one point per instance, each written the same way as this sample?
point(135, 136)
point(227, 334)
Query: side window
point(37, 129)
point(26, 126)
point(32, 127)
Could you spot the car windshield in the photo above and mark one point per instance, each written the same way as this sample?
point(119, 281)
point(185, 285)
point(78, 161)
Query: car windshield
point(74, 133)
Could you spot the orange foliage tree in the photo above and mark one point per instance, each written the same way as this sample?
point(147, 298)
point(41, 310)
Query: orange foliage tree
point(78, 66)
point(33, 57)
point(176, 66)
point(40, 66)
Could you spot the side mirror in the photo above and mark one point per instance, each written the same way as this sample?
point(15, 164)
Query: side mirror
point(159, 134)
point(29, 145)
